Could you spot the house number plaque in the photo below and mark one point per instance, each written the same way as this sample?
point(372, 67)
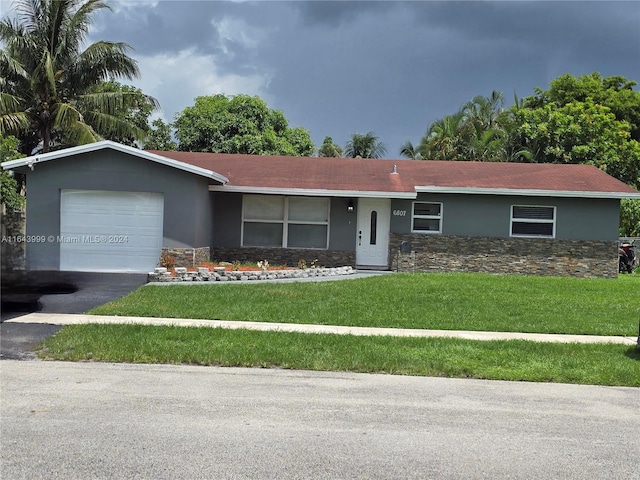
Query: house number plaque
point(399, 213)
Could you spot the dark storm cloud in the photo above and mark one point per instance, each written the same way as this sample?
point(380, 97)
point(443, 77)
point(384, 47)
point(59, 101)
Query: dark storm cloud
point(393, 67)
point(338, 13)
point(167, 26)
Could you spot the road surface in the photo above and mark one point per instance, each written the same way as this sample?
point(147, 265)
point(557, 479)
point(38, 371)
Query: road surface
point(105, 421)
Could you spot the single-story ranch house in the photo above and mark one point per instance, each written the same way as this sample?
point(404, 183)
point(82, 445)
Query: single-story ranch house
point(112, 208)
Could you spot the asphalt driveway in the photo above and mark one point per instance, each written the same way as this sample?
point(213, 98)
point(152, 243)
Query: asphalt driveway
point(53, 292)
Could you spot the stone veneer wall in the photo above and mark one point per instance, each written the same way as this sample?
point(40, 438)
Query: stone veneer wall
point(285, 256)
point(13, 247)
point(522, 256)
point(188, 257)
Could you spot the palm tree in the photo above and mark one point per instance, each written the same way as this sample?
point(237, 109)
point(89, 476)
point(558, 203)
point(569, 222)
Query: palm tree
point(444, 139)
point(364, 146)
point(484, 111)
point(408, 150)
point(50, 84)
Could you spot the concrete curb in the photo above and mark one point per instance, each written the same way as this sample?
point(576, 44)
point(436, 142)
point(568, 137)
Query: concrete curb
point(76, 319)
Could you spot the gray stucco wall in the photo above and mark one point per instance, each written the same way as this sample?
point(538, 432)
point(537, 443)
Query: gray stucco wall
point(227, 219)
point(187, 203)
point(489, 216)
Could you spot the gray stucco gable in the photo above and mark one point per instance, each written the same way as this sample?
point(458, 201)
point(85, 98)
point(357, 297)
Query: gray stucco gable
point(32, 161)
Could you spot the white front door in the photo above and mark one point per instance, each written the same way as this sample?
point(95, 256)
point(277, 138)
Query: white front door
point(372, 242)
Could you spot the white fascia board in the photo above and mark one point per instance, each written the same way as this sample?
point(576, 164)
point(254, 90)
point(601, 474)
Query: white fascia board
point(107, 144)
point(311, 192)
point(525, 192)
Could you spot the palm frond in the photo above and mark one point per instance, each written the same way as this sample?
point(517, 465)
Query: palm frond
point(71, 122)
point(110, 125)
point(13, 123)
point(80, 134)
point(102, 60)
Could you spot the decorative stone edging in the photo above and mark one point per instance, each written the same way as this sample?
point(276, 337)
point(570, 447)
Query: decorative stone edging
point(220, 274)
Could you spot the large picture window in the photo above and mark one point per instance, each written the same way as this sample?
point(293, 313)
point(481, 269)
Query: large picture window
point(426, 217)
point(533, 221)
point(290, 222)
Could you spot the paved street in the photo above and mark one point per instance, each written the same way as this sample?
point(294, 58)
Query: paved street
point(92, 420)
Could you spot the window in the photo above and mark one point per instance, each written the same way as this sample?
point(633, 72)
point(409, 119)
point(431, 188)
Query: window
point(290, 222)
point(426, 217)
point(533, 221)
point(373, 229)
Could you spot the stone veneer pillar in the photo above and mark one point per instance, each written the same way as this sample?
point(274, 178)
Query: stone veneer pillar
point(188, 257)
point(13, 247)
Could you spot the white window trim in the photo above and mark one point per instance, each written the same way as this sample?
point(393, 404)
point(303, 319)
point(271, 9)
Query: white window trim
point(285, 222)
point(532, 220)
point(427, 217)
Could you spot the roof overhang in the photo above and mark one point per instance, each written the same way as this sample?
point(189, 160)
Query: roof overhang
point(109, 145)
point(525, 192)
point(311, 192)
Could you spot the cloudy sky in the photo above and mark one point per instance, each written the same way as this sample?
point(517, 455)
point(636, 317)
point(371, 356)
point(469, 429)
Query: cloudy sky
point(391, 67)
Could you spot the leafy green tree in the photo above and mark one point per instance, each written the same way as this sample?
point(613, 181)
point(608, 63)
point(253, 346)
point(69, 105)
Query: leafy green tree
point(159, 137)
point(300, 141)
point(580, 132)
point(50, 81)
point(10, 195)
point(615, 92)
point(364, 146)
point(329, 149)
point(239, 124)
point(629, 218)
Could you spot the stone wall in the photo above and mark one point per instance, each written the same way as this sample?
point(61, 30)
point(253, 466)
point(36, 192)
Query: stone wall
point(188, 257)
point(13, 247)
point(220, 274)
point(521, 256)
point(285, 256)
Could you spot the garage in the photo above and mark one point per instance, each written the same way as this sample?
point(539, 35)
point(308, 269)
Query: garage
point(110, 231)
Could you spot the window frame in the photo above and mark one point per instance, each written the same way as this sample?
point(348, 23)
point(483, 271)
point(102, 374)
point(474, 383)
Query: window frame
point(427, 217)
point(513, 219)
point(285, 222)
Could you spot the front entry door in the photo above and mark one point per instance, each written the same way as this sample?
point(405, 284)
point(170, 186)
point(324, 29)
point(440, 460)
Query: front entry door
point(372, 242)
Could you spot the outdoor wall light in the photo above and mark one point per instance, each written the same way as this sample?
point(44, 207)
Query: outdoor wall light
point(350, 207)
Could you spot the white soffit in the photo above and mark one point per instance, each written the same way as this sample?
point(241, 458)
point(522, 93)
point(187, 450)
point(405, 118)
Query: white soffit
point(311, 192)
point(526, 192)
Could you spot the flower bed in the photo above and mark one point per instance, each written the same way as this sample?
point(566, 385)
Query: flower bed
point(223, 274)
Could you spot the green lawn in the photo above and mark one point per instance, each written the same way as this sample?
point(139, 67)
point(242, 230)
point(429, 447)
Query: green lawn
point(597, 364)
point(439, 301)
point(434, 301)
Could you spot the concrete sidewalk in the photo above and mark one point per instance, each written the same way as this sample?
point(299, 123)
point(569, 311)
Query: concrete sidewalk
point(75, 319)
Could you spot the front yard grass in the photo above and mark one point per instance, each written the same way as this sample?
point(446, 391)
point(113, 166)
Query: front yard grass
point(595, 364)
point(432, 301)
point(479, 302)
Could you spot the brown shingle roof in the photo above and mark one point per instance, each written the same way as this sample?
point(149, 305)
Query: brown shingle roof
point(369, 175)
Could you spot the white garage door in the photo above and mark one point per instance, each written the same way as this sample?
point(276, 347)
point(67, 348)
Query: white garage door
point(103, 231)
